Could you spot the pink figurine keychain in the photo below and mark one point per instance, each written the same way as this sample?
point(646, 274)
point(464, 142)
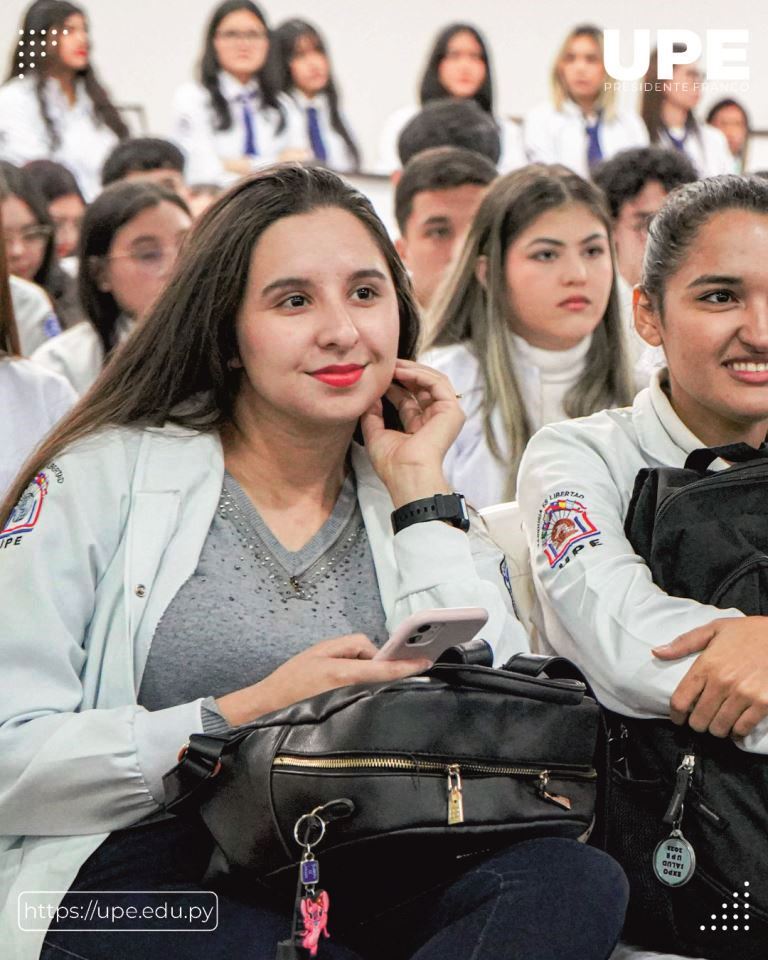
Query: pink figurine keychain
point(312, 903)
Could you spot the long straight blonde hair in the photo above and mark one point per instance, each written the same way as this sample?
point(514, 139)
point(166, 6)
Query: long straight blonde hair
point(480, 313)
point(606, 99)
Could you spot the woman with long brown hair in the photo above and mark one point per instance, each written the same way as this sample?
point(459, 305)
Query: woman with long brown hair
point(31, 400)
point(528, 327)
point(580, 124)
point(668, 112)
point(212, 517)
point(53, 104)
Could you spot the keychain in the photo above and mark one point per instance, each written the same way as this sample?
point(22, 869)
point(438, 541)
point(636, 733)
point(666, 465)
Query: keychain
point(674, 859)
point(310, 917)
point(313, 903)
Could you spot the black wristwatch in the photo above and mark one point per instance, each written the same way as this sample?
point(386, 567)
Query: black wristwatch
point(450, 507)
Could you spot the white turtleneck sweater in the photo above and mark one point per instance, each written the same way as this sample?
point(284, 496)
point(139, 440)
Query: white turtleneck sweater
point(544, 378)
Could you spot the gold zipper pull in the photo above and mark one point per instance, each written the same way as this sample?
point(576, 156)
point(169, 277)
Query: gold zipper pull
point(557, 798)
point(455, 799)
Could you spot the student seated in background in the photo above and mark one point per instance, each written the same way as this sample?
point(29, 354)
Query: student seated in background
point(732, 120)
point(449, 123)
point(130, 239)
point(147, 158)
point(702, 297)
point(668, 112)
point(201, 196)
point(30, 242)
point(66, 205)
point(527, 327)
point(302, 65)
point(636, 183)
point(53, 106)
point(580, 125)
point(458, 67)
point(234, 119)
point(436, 199)
point(31, 400)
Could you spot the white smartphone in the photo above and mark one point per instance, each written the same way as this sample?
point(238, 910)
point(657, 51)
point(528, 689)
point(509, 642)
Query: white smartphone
point(429, 632)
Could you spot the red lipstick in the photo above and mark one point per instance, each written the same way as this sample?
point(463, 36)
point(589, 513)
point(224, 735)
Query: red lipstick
point(339, 375)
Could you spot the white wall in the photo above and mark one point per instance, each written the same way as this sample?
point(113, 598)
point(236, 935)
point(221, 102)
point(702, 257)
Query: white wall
point(144, 48)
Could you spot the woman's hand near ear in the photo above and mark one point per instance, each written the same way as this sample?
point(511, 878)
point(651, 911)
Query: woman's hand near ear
point(410, 464)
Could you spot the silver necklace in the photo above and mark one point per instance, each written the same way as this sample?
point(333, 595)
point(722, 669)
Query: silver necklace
point(288, 587)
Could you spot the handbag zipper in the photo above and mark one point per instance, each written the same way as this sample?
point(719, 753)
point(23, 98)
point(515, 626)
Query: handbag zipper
point(453, 771)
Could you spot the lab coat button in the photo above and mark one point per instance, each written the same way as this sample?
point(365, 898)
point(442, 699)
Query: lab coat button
point(140, 590)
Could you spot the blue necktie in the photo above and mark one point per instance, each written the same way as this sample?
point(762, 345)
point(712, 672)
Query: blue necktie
point(315, 139)
point(678, 142)
point(594, 150)
point(251, 147)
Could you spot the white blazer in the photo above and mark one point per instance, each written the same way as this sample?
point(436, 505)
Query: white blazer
point(206, 147)
point(543, 378)
point(388, 160)
point(339, 156)
point(97, 549)
point(708, 151)
point(85, 143)
point(35, 315)
point(598, 603)
point(78, 354)
point(32, 401)
point(559, 136)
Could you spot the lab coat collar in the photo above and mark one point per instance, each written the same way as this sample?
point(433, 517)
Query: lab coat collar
point(662, 434)
point(232, 89)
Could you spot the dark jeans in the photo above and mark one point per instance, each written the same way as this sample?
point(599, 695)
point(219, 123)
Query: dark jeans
point(546, 899)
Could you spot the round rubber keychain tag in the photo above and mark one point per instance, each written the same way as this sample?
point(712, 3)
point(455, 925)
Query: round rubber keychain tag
point(674, 860)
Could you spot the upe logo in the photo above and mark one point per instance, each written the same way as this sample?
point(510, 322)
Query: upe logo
point(726, 53)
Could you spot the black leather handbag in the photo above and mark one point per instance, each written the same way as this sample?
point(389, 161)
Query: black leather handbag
point(430, 771)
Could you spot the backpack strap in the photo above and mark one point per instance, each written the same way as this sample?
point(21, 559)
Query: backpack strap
point(700, 460)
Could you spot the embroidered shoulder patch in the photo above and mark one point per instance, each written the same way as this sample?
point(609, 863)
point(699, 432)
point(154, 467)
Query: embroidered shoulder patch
point(26, 513)
point(563, 522)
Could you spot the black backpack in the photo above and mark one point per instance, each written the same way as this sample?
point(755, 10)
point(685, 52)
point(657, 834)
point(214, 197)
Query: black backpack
point(704, 536)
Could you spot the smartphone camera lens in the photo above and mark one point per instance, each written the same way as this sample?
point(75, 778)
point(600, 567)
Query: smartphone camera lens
point(416, 638)
point(424, 627)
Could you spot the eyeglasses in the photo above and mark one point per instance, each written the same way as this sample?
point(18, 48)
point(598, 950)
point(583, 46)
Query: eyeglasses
point(153, 262)
point(27, 236)
point(244, 36)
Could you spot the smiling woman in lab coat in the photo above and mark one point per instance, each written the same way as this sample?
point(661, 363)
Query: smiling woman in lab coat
point(52, 105)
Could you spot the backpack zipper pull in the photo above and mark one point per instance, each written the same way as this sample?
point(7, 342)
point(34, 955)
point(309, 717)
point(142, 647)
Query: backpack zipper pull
point(682, 783)
point(455, 798)
point(557, 798)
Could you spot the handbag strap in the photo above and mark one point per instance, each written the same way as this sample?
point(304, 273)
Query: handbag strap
point(199, 762)
point(700, 460)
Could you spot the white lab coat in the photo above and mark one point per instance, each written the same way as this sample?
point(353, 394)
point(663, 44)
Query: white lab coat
point(206, 147)
point(120, 530)
point(708, 151)
point(559, 136)
point(388, 160)
point(598, 603)
point(470, 466)
point(36, 319)
point(32, 401)
point(85, 143)
point(78, 354)
point(339, 155)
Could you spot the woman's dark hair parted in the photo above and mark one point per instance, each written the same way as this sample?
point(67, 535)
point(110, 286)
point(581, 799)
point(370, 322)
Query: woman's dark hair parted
point(176, 366)
point(284, 42)
point(42, 17)
point(111, 210)
point(432, 89)
point(209, 67)
point(674, 229)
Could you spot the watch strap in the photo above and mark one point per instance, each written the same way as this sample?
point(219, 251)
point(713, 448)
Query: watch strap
point(449, 507)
